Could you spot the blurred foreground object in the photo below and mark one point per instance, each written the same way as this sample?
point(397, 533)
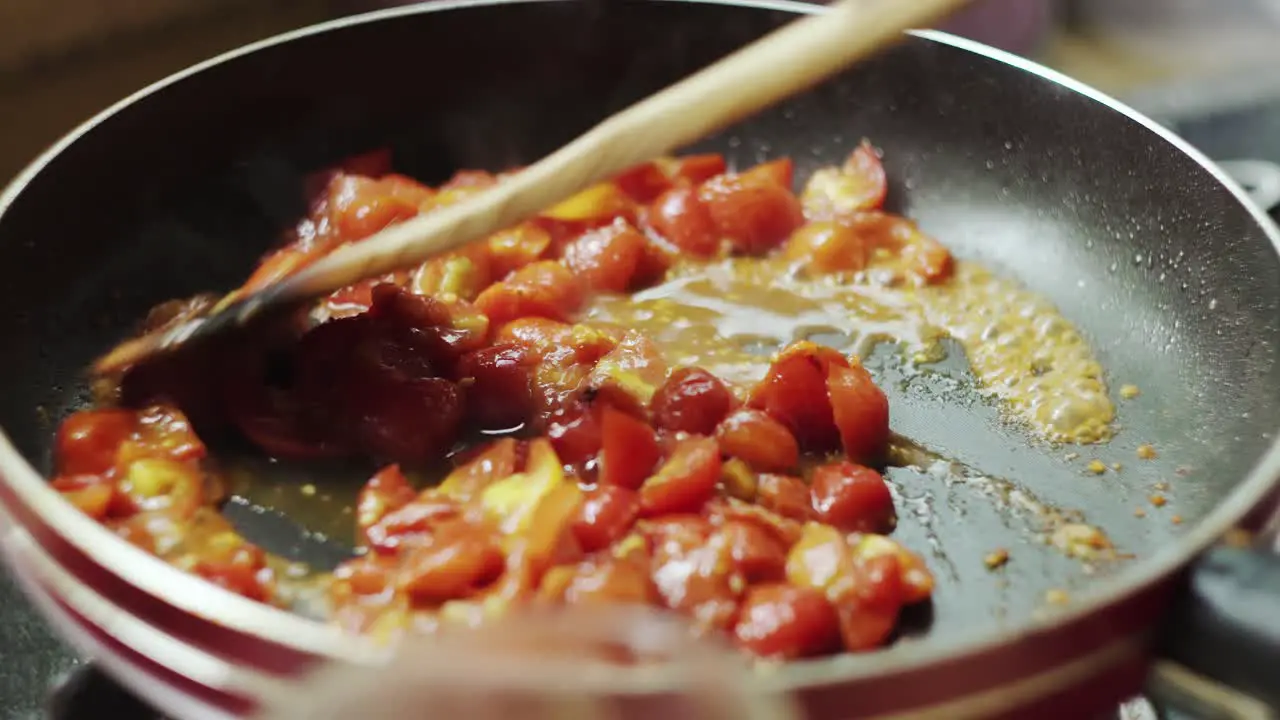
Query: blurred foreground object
point(545, 666)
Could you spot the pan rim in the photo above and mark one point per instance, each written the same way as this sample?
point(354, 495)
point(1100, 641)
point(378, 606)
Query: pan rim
point(200, 598)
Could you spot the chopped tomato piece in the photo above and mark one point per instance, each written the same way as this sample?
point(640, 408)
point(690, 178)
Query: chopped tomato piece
point(764, 443)
point(498, 460)
point(869, 611)
point(92, 494)
point(685, 481)
point(787, 622)
point(414, 421)
point(644, 182)
point(577, 435)
point(513, 249)
point(852, 498)
point(785, 495)
point(754, 214)
point(917, 581)
point(629, 450)
point(605, 259)
point(657, 258)
point(785, 530)
point(360, 206)
point(373, 164)
point(858, 185)
point(499, 388)
point(692, 400)
point(794, 392)
point(825, 246)
point(780, 172)
point(463, 274)
point(861, 412)
point(606, 515)
point(411, 525)
point(88, 440)
point(754, 552)
point(386, 492)
point(683, 219)
point(605, 580)
point(629, 375)
point(691, 573)
point(696, 169)
point(460, 559)
point(544, 288)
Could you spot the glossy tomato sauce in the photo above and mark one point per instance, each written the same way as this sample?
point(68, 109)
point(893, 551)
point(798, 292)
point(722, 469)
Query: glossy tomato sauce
point(585, 461)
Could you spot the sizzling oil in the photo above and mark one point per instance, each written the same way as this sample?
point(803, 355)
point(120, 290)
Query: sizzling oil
point(728, 317)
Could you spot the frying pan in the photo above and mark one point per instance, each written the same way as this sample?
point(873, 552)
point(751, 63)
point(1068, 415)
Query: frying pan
point(1165, 265)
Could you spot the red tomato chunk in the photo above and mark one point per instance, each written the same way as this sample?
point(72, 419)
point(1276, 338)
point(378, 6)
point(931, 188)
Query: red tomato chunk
point(617, 479)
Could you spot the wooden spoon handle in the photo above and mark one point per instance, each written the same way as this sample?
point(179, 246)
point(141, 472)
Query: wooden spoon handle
point(778, 65)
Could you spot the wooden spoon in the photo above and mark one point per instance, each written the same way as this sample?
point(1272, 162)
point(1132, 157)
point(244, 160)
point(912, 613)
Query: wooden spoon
point(786, 61)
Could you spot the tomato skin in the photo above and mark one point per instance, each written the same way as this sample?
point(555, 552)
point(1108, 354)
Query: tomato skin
point(764, 443)
point(680, 216)
point(605, 259)
point(629, 450)
point(499, 386)
point(786, 622)
point(692, 400)
point(754, 214)
point(685, 481)
point(544, 288)
point(869, 612)
point(785, 495)
point(87, 441)
point(360, 206)
point(852, 498)
point(861, 413)
point(606, 515)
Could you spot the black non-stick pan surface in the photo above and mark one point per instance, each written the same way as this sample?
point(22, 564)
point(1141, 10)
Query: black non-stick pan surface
point(1172, 280)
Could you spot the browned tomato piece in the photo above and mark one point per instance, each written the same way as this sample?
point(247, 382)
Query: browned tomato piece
point(786, 622)
point(607, 514)
point(781, 172)
point(691, 400)
point(499, 390)
point(92, 494)
point(685, 481)
point(827, 246)
point(863, 166)
point(629, 375)
point(755, 437)
point(852, 498)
